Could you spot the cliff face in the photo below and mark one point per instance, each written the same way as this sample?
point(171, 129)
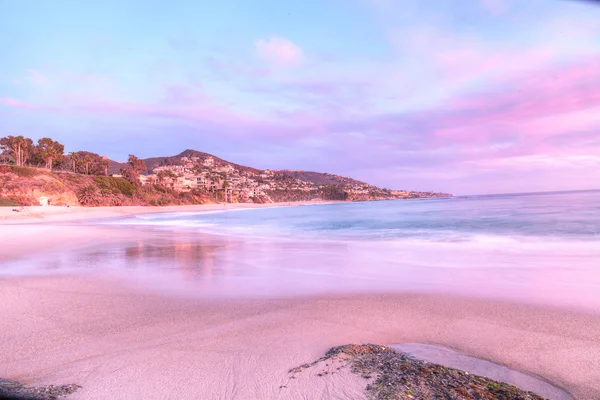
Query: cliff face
point(22, 185)
point(26, 185)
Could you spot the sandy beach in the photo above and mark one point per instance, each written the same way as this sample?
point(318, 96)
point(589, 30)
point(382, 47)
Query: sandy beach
point(118, 343)
point(120, 340)
point(71, 214)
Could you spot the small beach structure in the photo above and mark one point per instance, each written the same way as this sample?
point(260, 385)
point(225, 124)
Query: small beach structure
point(43, 201)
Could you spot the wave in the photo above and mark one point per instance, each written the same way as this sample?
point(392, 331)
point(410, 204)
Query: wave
point(515, 221)
point(415, 237)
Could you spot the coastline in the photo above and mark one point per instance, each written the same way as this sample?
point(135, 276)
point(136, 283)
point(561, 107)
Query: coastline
point(117, 340)
point(36, 214)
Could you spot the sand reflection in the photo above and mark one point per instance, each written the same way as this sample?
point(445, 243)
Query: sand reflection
point(188, 263)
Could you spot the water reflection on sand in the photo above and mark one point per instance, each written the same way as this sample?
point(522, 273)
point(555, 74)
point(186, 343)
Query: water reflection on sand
point(194, 264)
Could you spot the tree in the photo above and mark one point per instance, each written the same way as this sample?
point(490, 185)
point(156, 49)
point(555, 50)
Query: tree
point(26, 147)
point(217, 181)
point(18, 148)
point(89, 196)
point(49, 151)
point(105, 163)
point(132, 172)
point(87, 163)
point(5, 149)
point(73, 158)
point(163, 175)
point(87, 159)
point(138, 165)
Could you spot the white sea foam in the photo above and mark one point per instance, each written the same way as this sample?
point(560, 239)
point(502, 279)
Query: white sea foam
point(540, 248)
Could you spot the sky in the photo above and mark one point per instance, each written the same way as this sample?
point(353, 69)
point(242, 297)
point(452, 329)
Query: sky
point(465, 97)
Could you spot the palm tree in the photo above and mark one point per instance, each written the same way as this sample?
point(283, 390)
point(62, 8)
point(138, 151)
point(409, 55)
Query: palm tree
point(225, 188)
point(18, 147)
point(74, 157)
point(105, 164)
point(89, 195)
point(87, 160)
point(49, 151)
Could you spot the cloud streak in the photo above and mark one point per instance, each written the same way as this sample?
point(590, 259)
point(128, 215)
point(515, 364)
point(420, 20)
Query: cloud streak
point(455, 95)
point(279, 52)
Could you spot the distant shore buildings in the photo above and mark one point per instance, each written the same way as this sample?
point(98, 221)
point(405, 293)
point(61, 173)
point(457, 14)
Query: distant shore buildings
point(227, 181)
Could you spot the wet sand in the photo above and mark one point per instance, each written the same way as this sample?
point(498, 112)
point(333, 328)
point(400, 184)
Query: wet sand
point(120, 343)
point(476, 366)
point(121, 340)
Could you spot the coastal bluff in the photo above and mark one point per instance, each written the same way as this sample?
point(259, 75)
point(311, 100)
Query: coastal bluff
point(188, 178)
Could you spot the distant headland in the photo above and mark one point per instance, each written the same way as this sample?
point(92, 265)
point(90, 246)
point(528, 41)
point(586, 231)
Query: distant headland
point(42, 173)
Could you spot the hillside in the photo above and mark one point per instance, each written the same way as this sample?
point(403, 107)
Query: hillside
point(320, 178)
point(24, 185)
point(238, 183)
point(191, 177)
point(317, 178)
point(155, 162)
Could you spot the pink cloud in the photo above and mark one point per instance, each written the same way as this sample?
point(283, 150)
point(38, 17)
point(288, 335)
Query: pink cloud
point(472, 61)
point(528, 114)
point(14, 103)
point(10, 102)
point(527, 162)
point(541, 103)
point(279, 52)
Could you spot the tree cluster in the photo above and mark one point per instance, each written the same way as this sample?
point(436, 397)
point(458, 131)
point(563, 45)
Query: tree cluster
point(16, 148)
point(133, 170)
point(48, 153)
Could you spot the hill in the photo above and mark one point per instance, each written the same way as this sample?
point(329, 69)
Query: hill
point(191, 177)
point(156, 162)
point(317, 178)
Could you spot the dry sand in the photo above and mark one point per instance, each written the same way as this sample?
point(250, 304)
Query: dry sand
point(69, 214)
point(118, 342)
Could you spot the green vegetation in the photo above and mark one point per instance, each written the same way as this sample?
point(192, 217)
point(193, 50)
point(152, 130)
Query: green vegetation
point(89, 196)
point(114, 185)
point(30, 170)
point(71, 178)
point(7, 203)
point(25, 171)
point(21, 151)
point(53, 187)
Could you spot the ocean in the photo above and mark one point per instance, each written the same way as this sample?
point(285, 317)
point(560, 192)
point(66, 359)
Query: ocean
point(539, 248)
point(509, 218)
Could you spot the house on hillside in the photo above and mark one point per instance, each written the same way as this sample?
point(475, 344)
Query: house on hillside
point(176, 169)
point(145, 179)
point(178, 183)
point(198, 181)
point(228, 169)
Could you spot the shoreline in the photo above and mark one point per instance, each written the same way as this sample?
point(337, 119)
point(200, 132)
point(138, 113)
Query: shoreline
point(37, 214)
point(119, 340)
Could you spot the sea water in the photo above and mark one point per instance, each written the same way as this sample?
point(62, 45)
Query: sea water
point(543, 217)
point(537, 248)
